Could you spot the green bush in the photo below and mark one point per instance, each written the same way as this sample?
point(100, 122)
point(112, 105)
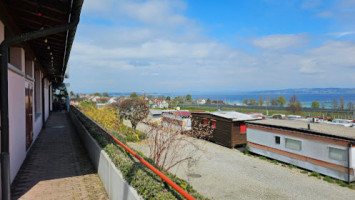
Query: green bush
point(147, 183)
point(328, 179)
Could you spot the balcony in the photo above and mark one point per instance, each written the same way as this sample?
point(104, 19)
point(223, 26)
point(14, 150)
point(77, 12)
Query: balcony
point(57, 166)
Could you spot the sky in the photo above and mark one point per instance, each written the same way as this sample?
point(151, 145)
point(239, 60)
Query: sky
point(207, 45)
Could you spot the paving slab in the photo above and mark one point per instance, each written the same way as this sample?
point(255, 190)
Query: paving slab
point(57, 166)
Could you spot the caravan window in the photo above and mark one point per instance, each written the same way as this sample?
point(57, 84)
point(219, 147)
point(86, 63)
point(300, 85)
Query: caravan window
point(337, 154)
point(293, 144)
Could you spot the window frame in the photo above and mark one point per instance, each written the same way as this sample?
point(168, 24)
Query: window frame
point(290, 148)
point(337, 149)
point(277, 140)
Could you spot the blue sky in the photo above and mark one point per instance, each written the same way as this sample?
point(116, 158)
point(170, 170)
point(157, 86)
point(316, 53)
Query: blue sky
point(201, 45)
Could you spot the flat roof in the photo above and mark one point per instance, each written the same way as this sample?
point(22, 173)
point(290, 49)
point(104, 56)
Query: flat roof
point(232, 115)
point(332, 130)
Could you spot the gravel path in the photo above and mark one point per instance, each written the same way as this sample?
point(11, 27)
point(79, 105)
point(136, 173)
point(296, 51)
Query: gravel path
point(223, 173)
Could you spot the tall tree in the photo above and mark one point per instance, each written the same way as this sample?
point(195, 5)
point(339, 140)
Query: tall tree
point(97, 94)
point(281, 101)
point(342, 103)
point(150, 97)
point(315, 104)
point(268, 100)
point(208, 101)
point(245, 101)
point(105, 94)
point(350, 106)
point(261, 100)
point(334, 104)
point(188, 97)
point(252, 102)
point(274, 102)
point(133, 95)
point(294, 105)
point(135, 110)
point(161, 97)
point(168, 98)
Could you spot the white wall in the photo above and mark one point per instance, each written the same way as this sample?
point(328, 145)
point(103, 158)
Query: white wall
point(310, 148)
point(17, 122)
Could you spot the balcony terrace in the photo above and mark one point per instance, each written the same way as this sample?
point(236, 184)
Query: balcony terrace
point(57, 166)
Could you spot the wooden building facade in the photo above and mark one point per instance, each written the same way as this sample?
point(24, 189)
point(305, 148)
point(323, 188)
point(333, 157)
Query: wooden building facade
point(229, 127)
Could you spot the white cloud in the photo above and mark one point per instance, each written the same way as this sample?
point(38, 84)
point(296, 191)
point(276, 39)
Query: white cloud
point(281, 42)
point(325, 14)
point(167, 51)
point(343, 34)
point(309, 4)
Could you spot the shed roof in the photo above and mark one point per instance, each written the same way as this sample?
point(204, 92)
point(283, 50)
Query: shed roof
point(331, 130)
point(232, 115)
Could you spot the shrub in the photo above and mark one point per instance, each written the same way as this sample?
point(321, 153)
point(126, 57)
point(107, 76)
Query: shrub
point(146, 182)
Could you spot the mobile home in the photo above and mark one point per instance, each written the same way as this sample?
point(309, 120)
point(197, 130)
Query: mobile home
point(324, 148)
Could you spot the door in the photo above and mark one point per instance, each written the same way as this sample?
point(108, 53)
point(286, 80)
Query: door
point(29, 113)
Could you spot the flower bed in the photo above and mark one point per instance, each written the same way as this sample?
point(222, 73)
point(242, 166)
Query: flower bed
point(146, 183)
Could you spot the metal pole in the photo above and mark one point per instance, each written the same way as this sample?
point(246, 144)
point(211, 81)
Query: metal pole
point(5, 157)
point(349, 157)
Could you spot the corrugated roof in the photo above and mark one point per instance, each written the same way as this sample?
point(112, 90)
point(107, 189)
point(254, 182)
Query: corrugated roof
point(325, 129)
point(232, 115)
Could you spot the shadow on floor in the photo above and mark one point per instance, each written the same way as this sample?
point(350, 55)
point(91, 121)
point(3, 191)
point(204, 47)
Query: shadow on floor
point(57, 153)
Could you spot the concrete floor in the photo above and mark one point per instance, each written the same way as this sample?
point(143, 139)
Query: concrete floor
point(57, 166)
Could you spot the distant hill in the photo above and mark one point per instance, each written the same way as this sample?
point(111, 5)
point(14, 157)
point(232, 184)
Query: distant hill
point(308, 91)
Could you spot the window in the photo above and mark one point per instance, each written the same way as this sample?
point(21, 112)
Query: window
point(337, 154)
point(293, 144)
point(213, 124)
point(243, 128)
point(277, 139)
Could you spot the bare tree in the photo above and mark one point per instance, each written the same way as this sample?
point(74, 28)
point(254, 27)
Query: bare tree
point(261, 100)
point(342, 103)
point(334, 104)
point(169, 147)
point(268, 100)
point(135, 110)
point(294, 105)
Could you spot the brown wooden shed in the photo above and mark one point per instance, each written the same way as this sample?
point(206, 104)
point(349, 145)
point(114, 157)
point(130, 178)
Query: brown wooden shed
point(229, 126)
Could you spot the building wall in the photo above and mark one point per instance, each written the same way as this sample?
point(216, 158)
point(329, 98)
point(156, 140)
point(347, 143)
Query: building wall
point(314, 155)
point(17, 121)
point(46, 99)
point(222, 134)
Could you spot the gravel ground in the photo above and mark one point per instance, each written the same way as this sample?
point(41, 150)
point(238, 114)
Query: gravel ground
point(223, 173)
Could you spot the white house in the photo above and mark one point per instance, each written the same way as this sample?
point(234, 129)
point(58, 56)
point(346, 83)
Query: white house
point(201, 101)
point(324, 148)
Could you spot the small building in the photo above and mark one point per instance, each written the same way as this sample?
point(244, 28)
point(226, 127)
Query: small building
point(178, 119)
point(201, 101)
point(324, 148)
point(229, 126)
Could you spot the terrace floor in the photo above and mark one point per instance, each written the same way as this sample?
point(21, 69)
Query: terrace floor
point(57, 166)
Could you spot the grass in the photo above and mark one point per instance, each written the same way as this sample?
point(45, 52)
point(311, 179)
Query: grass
point(147, 184)
point(316, 174)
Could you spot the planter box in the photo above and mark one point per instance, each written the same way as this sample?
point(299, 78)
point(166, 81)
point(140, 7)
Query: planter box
point(115, 185)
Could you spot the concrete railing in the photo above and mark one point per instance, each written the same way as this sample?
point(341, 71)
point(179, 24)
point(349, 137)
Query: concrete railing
point(115, 185)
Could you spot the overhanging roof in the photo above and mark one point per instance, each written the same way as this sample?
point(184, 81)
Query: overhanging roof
point(52, 52)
